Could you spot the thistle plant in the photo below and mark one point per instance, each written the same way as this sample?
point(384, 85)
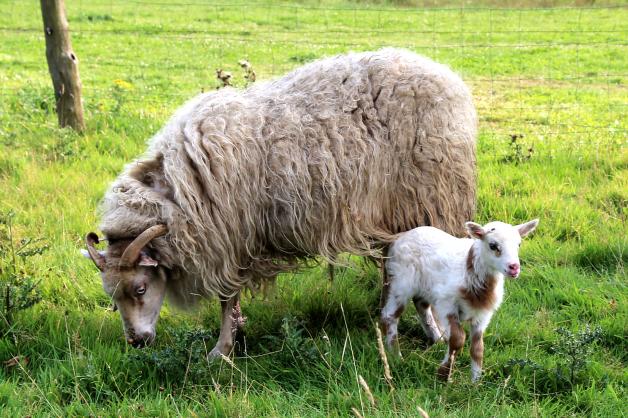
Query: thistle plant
point(573, 349)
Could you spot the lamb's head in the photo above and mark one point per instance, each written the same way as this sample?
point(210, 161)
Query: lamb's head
point(500, 243)
point(131, 275)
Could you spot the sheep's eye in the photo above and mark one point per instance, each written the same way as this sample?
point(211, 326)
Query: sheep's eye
point(493, 246)
point(140, 290)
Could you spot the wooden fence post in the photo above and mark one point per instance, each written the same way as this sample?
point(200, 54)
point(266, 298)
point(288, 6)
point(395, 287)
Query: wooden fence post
point(62, 64)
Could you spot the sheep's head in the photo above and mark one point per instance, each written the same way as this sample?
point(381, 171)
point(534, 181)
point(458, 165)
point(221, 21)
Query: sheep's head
point(131, 275)
point(500, 244)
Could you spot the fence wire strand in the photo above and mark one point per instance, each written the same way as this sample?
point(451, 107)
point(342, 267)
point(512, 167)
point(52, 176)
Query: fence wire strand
point(502, 96)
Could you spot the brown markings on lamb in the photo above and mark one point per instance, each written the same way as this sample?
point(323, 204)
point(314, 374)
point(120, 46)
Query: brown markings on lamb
point(470, 257)
point(385, 279)
point(421, 302)
point(456, 342)
point(384, 327)
point(484, 296)
point(477, 348)
point(398, 312)
point(456, 334)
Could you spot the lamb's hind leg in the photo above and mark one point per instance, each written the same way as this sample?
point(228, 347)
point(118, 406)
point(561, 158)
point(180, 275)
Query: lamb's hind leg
point(455, 337)
point(390, 320)
point(394, 300)
point(428, 323)
point(231, 320)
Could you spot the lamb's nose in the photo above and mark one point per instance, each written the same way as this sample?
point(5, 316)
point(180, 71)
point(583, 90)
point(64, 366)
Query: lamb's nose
point(514, 266)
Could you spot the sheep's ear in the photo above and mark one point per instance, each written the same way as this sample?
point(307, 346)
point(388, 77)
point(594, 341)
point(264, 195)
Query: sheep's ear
point(86, 253)
point(147, 261)
point(475, 230)
point(526, 228)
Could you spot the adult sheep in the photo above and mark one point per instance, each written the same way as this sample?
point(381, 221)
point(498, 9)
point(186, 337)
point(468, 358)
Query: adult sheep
point(337, 156)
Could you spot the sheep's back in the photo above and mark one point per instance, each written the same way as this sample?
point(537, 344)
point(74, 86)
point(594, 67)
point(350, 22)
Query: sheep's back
point(366, 146)
point(338, 155)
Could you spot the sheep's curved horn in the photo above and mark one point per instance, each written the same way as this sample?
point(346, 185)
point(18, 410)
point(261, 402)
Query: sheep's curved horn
point(97, 258)
point(132, 252)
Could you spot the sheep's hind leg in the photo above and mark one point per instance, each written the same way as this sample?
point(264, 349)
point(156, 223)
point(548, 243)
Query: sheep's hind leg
point(428, 322)
point(231, 320)
point(455, 337)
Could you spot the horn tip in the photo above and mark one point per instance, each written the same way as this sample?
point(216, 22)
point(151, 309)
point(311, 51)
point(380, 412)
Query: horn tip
point(93, 237)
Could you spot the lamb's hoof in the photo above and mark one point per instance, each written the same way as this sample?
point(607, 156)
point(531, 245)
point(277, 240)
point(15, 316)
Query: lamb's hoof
point(395, 353)
point(394, 350)
point(433, 340)
point(444, 373)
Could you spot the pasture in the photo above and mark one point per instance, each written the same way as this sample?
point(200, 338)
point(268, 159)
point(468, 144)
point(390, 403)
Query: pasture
point(550, 87)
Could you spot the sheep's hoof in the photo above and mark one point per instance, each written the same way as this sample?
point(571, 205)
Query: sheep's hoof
point(217, 353)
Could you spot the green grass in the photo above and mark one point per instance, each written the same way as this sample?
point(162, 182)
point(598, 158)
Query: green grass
point(555, 75)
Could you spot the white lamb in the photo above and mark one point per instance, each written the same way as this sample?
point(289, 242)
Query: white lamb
point(461, 278)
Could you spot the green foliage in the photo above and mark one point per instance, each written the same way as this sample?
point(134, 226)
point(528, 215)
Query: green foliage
point(566, 370)
point(293, 348)
point(18, 289)
point(184, 358)
point(574, 350)
point(518, 152)
point(554, 77)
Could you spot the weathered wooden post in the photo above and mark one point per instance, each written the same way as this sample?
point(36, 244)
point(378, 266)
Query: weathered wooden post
point(62, 64)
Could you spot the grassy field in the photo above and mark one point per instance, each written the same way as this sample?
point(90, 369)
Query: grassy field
point(554, 79)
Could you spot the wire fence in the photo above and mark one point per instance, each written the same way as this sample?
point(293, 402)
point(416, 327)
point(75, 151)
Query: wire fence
point(549, 73)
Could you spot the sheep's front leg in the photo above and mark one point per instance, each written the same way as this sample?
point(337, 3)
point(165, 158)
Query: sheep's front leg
point(477, 352)
point(428, 323)
point(455, 336)
point(231, 320)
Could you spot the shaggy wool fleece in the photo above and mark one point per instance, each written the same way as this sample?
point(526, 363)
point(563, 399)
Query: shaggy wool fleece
point(337, 156)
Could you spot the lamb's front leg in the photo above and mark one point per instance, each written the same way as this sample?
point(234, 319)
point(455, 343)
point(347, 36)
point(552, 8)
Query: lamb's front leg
point(231, 320)
point(477, 352)
point(455, 336)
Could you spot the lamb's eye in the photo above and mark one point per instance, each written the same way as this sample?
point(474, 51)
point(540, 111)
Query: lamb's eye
point(140, 290)
point(493, 246)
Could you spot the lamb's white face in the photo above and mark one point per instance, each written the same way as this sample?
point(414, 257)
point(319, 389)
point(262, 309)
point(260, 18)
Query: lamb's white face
point(501, 243)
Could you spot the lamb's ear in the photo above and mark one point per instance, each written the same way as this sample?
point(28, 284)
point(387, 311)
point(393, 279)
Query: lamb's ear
point(526, 228)
point(147, 261)
point(475, 230)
